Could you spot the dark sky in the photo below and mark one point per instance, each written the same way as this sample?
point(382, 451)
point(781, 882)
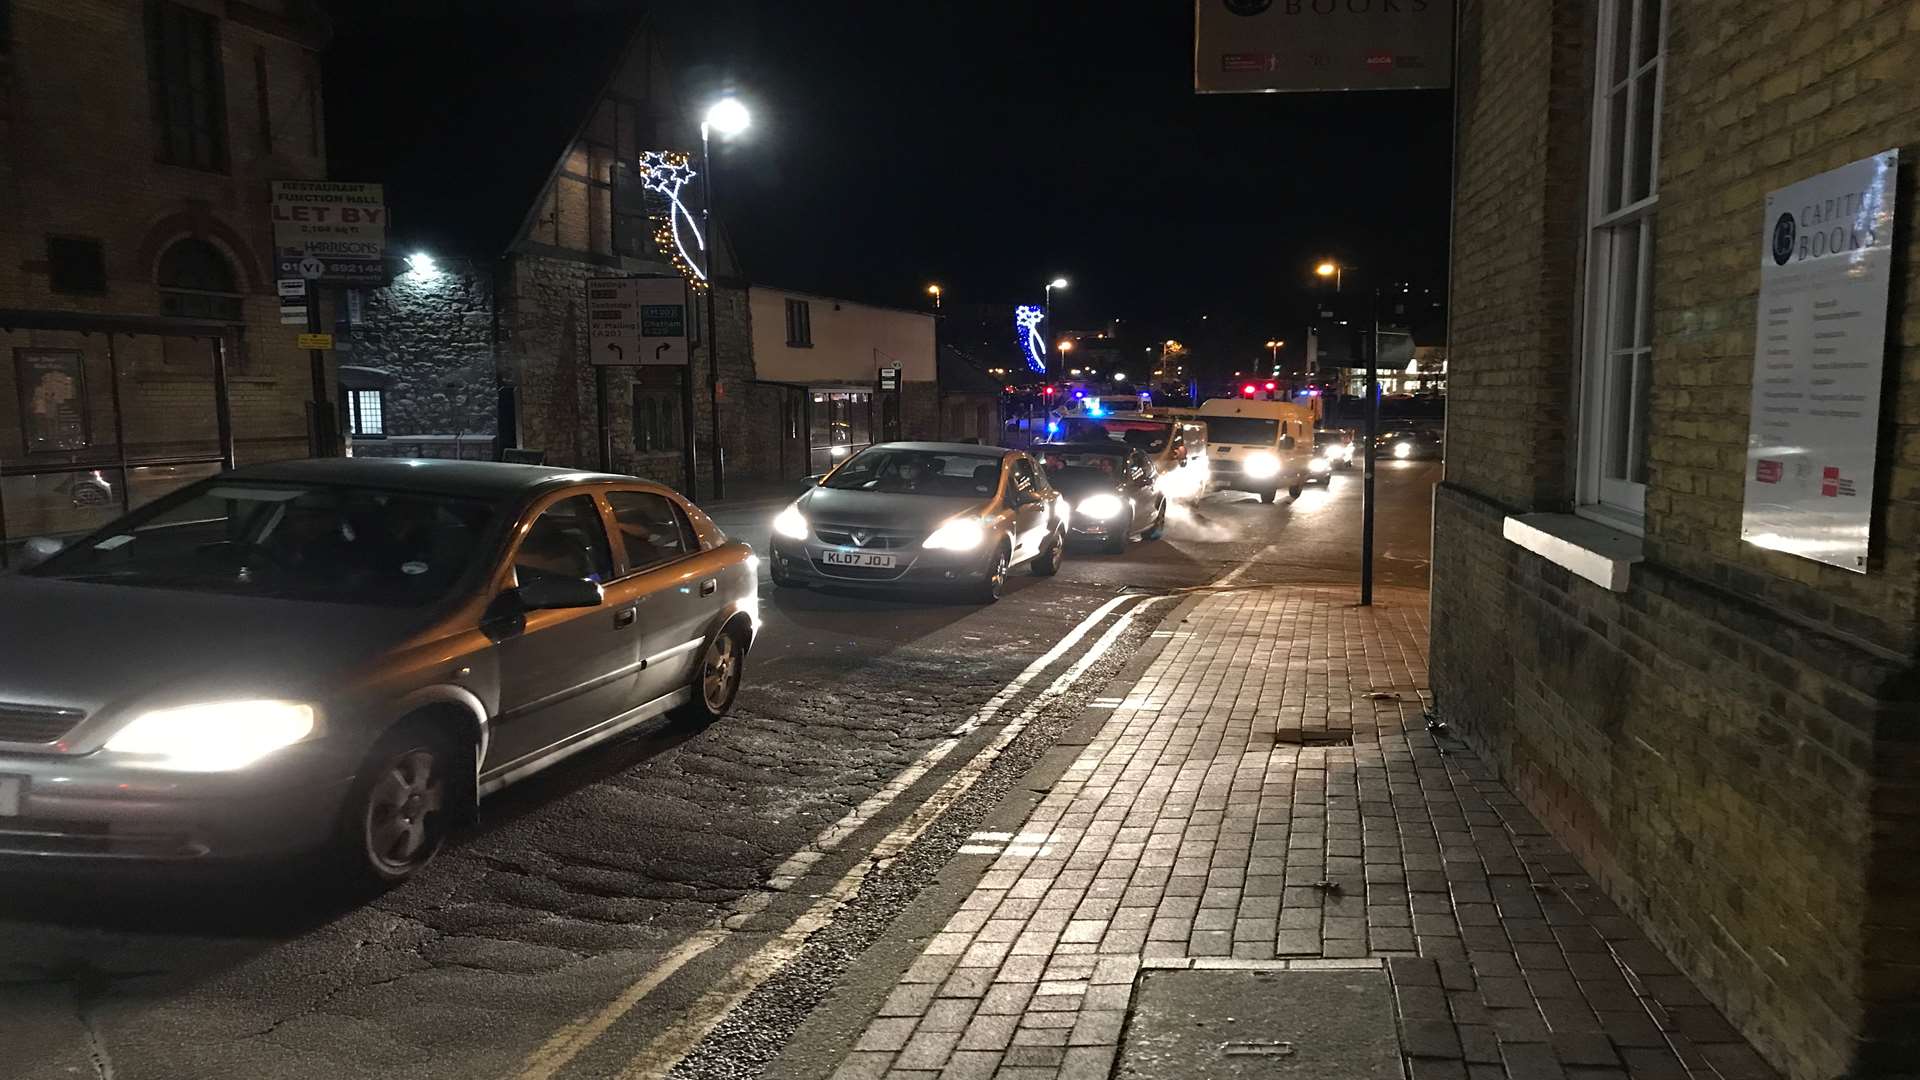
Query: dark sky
point(991, 144)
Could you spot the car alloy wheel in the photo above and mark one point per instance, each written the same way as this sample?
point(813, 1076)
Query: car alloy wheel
point(401, 826)
point(996, 576)
point(1048, 564)
point(720, 674)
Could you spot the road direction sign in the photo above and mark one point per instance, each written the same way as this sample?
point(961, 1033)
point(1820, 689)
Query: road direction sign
point(637, 321)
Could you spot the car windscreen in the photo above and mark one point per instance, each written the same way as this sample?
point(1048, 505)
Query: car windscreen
point(1077, 465)
point(1242, 429)
point(288, 541)
point(1148, 435)
point(951, 474)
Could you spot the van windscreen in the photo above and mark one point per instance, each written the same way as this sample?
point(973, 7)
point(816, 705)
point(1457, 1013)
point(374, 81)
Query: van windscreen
point(1242, 429)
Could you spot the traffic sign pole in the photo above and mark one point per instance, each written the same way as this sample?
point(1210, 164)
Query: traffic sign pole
point(326, 440)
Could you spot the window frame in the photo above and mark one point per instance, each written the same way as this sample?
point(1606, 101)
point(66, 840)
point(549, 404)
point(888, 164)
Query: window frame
point(799, 324)
point(166, 80)
point(540, 510)
point(1612, 235)
point(355, 413)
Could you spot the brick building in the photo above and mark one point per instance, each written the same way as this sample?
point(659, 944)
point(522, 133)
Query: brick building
point(140, 344)
point(1726, 735)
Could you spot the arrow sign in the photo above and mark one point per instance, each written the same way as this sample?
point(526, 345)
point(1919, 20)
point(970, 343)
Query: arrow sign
point(619, 354)
point(660, 350)
point(640, 317)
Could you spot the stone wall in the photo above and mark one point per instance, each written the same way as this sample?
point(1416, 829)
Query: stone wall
point(1731, 745)
point(432, 333)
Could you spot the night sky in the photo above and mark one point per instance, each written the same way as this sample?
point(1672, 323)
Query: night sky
point(991, 144)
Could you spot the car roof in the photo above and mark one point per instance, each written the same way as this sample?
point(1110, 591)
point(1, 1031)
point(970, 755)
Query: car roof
point(472, 479)
point(1109, 447)
point(946, 448)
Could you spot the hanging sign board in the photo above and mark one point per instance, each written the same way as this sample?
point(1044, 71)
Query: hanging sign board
point(1281, 46)
point(1826, 258)
point(328, 231)
point(637, 321)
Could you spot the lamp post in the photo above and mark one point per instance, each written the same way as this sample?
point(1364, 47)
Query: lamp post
point(1047, 308)
point(728, 117)
point(1370, 413)
point(934, 291)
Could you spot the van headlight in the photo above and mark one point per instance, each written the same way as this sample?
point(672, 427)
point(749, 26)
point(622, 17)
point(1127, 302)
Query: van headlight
point(1320, 465)
point(791, 523)
point(1100, 507)
point(216, 736)
point(960, 534)
point(1261, 465)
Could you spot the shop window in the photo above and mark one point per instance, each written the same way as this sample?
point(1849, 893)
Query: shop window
point(187, 86)
point(76, 265)
point(1622, 197)
point(799, 324)
point(367, 414)
point(656, 420)
point(197, 282)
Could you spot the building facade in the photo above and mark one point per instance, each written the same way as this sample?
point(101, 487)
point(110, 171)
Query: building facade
point(1728, 736)
point(140, 341)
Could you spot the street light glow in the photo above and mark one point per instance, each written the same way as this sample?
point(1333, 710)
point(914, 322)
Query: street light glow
point(1327, 268)
point(1066, 344)
point(728, 117)
point(933, 290)
point(1057, 283)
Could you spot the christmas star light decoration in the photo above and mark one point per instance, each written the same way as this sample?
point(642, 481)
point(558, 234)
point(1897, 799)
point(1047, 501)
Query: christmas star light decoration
point(666, 173)
point(1027, 320)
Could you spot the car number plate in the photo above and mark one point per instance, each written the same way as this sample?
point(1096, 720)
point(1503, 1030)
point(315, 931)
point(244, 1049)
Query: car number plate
point(871, 560)
point(11, 788)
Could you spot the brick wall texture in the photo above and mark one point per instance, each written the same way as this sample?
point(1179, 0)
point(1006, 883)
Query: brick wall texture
point(1732, 745)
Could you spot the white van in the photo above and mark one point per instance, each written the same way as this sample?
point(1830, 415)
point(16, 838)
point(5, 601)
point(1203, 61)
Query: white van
point(1258, 446)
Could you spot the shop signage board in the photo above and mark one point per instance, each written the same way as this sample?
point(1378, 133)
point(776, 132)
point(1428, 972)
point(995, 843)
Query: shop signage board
point(329, 231)
point(1304, 46)
point(1826, 259)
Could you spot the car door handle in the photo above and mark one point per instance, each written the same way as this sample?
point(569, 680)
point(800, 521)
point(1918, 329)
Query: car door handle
point(624, 618)
point(708, 586)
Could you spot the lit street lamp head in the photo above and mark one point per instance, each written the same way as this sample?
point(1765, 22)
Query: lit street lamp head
point(1327, 268)
point(727, 116)
point(1057, 283)
point(933, 290)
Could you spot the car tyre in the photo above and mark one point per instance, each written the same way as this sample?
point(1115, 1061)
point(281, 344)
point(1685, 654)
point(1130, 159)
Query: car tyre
point(723, 667)
point(1159, 527)
point(1269, 495)
point(988, 590)
point(401, 805)
point(1298, 487)
point(1047, 563)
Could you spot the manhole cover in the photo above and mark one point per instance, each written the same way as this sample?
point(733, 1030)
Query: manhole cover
point(1298, 738)
point(1225, 1025)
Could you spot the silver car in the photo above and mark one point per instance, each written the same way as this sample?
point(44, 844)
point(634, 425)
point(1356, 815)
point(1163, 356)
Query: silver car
point(348, 654)
point(919, 515)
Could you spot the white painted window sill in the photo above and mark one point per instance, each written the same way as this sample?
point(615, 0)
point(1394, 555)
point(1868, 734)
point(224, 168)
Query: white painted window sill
point(1601, 555)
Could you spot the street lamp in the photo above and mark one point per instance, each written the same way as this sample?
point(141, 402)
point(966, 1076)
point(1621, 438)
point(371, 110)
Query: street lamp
point(1047, 308)
point(1273, 347)
point(934, 291)
point(728, 117)
point(1329, 268)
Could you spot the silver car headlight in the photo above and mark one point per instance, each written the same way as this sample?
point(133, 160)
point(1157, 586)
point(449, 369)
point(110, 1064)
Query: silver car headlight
point(1320, 465)
point(1402, 449)
point(791, 523)
point(1261, 465)
point(1100, 507)
point(960, 534)
point(216, 736)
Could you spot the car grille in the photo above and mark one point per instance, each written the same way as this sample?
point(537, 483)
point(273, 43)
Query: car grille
point(876, 540)
point(36, 723)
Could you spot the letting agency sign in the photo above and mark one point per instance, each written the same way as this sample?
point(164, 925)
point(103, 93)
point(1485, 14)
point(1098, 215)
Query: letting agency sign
point(1282, 46)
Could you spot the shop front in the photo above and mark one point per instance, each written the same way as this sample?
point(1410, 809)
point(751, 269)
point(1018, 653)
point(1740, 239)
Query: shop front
point(840, 423)
point(102, 414)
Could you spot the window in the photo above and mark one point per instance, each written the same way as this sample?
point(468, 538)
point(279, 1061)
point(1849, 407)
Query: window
point(1023, 476)
point(652, 528)
point(656, 420)
point(799, 323)
point(1622, 195)
point(366, 414)
point(188, 88)
point(567, 540)
point(197, 282)
point(76, 265)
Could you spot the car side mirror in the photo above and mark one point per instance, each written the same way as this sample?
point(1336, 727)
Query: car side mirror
point(558, 592)
point(38, 550)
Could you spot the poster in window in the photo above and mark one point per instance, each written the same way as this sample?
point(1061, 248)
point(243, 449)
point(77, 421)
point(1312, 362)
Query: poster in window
point(53, 399)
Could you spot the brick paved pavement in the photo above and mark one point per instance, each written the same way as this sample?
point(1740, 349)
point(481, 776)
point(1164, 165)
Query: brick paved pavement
point(1219, 820)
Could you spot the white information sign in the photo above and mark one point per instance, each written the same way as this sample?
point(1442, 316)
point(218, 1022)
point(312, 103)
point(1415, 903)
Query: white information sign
point(1826, 253)
point(324, 230)
point(637, 320)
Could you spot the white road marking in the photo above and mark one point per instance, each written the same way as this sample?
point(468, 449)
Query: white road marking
point(567, 1043)
point(1234, 574)
point(674, 1044)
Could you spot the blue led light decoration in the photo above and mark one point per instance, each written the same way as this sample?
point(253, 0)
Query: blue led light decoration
point(1028, 323)
point(665, 174)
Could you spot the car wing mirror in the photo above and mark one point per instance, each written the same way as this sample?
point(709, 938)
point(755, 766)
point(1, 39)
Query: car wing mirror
point(38, 550)
point(559, 592)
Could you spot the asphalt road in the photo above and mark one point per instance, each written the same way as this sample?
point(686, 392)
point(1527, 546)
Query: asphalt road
point(604, 917)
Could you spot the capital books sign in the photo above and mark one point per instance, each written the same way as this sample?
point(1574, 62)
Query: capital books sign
point(1825, 249)
point(1299, 46)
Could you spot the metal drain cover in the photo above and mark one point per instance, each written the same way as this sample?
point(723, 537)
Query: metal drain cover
point(1225, 1025)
